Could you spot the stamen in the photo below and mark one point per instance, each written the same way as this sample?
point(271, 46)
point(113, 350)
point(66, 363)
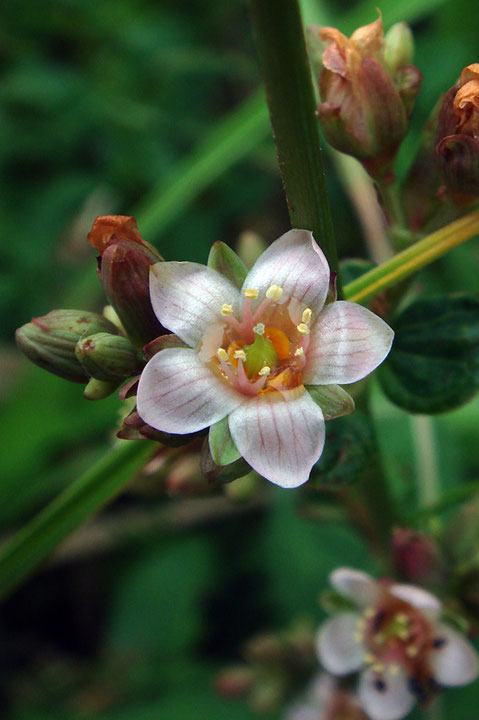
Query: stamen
point(302, 328)
point(394, 668)
point(226, 309)
point(274, 292)
point(358, 637)
point(222, 354)
point(378, 667)
point(380, 685)
point(361, 623)
point(265, 370)
point(239, 355)
point(412, 651)
point(403, 634)
point(401, 618)
point(306, 316)
point(369, 658)
point(259, 329)
point(299, 352)
point(439, 642)
point(250, 293)
point(369, 613)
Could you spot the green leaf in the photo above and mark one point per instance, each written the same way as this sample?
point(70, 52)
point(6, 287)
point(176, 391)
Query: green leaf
point(225, 261)
point(222, 448)
point(332, 399)
point(434, 362)
point(37, 539)
point(346, 454)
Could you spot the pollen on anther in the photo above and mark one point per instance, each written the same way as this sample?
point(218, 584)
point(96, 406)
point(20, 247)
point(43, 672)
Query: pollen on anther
point(306, 316)
point(239, 355)
point(226, 309)
point(251, 293)
point(299, 352)
point(222, 354)
point(412, 651)
point(369, 658)
point(274, 292)
point(259, 329)
point(394, 668)
point(265, 370)
point(302, 328)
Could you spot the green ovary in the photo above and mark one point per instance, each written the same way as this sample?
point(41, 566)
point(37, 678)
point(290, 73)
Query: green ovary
point(259, 354)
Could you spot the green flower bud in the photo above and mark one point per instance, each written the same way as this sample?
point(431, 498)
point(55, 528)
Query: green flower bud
point(99, 389)
point(108, 357)
point(398, 47)
point(50, 341)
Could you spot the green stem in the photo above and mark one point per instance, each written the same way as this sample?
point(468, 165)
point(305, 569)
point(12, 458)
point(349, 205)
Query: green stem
point(413, 258)
point(37, 539)
point(289, 92)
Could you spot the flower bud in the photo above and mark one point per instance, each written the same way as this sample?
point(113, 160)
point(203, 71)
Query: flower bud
point(366, 102)
point(108, 357)
point(457, 147)
point(234, 682)
point(50, 341)
point(99, 389)
point(417, 557)
point(124, 270)
point(398, 47)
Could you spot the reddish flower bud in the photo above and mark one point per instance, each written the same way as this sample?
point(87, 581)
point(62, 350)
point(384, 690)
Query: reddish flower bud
point(124, 270)
point(417, 557)
point(457, 138)
point(366, 101)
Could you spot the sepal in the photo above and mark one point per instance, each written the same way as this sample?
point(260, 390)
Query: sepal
point(332, 399)
point(226, 262)
point(215, 473)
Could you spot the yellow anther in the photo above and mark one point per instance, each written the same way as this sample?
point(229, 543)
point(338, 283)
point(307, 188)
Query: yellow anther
point(358, 637)
point(302, 328)
point(251, 293)
point(369, 612)
point(401, 618)
point(361, 623)
point(412, 651)
point(369, 658)
point(239, 355)
point(394, 668)
point(403, 634)
point(222, 354)
point(299, 352)
point(378, 667)
point(265, 370)
point(306, 316)
point(259, 329)
point(226, 309)
point(274, 292)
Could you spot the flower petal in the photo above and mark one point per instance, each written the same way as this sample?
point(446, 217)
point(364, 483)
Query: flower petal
point(177, 393)
point(356, 585)
point(296, 263)
point(187, 298)
point(281, 438)
point(347, 343)
point(456, 662)
point(417, 597)
point(385, 697)
point(338, 651)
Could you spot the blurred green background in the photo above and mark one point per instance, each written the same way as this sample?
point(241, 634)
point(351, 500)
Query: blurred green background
point(155, 109)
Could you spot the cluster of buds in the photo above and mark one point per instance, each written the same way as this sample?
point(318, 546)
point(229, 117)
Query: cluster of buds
point(394, 636)
point(367, 86)
point(276, 664)
point(102, 351)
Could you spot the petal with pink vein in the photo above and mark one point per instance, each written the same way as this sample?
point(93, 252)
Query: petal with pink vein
point(296, 263)
point(347, 343)
point(187, 298)
point(281, 439)
point(177, 393)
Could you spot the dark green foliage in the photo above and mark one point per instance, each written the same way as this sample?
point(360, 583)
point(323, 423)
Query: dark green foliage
point(434, 362)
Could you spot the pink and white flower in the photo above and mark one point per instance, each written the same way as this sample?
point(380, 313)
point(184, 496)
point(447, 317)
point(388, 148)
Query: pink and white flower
point(397, 641)
point(326, 700)
point(249, 354)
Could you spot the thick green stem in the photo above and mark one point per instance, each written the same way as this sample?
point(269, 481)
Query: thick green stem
point(413, 259)
point(289, 92)
point(37, 539)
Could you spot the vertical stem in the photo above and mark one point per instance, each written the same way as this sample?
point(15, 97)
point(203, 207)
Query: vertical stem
point(289, 91)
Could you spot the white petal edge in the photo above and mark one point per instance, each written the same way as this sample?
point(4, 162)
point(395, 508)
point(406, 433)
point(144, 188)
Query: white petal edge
point(347, 342)
point(280, 438)
point(419, 598)
point(177, 393)
point(356, 585)
point(187, 298)
point(298, 265)
point(391, 703)
point(337, 650)
point(456, 663)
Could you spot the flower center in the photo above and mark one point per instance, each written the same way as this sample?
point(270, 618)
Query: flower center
point(265, 350)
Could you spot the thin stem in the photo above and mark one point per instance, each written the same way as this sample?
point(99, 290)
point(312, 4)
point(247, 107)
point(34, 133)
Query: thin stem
point(413, 259)
point(37, 539)
point(289, 91)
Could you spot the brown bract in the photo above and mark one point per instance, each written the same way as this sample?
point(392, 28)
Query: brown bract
point(107, 228)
